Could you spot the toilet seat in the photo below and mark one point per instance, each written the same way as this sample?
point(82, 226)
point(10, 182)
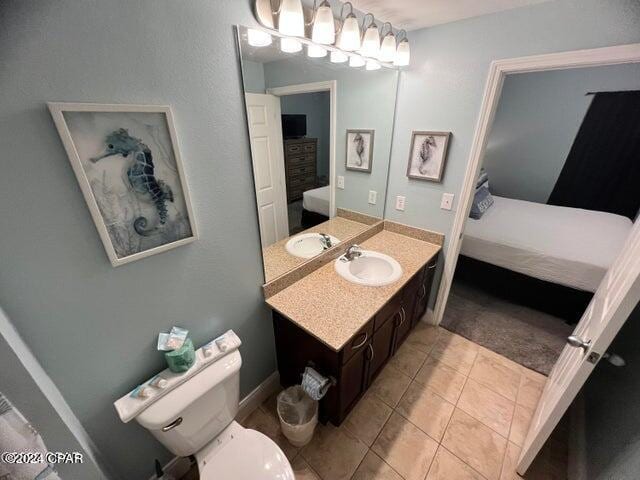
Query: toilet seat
point(243, 454)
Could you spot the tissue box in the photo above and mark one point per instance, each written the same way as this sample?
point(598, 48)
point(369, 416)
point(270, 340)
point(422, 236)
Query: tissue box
point(182, 359)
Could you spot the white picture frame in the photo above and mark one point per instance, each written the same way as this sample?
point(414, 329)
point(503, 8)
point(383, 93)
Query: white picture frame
point(428, 155)
point(359, 151)
point(138, 211)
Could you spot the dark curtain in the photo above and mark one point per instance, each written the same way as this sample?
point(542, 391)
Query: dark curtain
point(602, 171)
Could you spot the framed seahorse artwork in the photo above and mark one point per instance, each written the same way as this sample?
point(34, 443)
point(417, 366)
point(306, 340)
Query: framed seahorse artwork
point(428, 155)
point(128, 165)
point(359, 154)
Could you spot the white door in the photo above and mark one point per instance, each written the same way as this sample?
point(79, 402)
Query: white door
point(265, 133)
point(615, 299)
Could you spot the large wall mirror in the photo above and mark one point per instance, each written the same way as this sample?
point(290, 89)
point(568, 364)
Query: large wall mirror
point(320, 134)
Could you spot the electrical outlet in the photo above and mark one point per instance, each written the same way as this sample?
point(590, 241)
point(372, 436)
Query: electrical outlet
point(373, 196)
point(447, 201)
point(341, 182)
point(400, 201)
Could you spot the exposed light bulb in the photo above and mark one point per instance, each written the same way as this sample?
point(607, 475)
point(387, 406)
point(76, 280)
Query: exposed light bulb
point(316, 51)
point(356, 61)
point(290, 45)
point(291, 20)
point(388, 48)
point(373, 65)
point(371, 42)
point(349, 36)
point(258, 38)
point(324, 29)
point(338, 57)
point(403, 54)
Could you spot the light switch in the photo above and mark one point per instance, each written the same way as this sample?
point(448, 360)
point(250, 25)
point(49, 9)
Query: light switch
point(373, 196)
point(341, 182)
point(400, 201)
point(447, 201)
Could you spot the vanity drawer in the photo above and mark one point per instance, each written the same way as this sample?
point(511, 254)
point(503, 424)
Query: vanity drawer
point(358, 342)
point(388, 311)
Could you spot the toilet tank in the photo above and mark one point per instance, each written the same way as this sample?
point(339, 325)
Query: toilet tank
point(195, 412)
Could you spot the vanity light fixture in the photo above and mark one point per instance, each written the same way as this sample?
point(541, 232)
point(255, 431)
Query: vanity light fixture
point(371, 39)
point(258, 38)
point(324, 28)
point(338, 57)
point(356, 61)
point(291, 18)
point(388, 47)
point(290, 45)
point(349, 35)
point(403, 52)
point(316, 51)
point(373, 65)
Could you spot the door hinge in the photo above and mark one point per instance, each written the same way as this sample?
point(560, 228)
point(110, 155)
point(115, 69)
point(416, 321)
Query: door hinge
point(593, 357)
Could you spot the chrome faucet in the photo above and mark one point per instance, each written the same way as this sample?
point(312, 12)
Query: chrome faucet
point(325, 240)
point(353, 252)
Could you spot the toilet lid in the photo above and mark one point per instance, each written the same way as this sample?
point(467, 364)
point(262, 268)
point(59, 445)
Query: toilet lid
point(250, 455)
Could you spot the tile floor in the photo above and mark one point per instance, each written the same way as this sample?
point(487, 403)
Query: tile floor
point(444, 408)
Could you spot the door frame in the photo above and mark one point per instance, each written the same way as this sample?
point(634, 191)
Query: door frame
point(330, 86)
point(499, 69)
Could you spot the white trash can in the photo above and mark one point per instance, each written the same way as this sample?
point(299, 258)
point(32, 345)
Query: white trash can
point(298, 414)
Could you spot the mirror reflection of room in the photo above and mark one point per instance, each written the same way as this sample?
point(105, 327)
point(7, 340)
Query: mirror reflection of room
point(320, 135)
point(555, 200)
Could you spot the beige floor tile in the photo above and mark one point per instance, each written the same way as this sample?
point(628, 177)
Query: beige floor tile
point(503, 360)
point(530, 391)
point(367, 418)
point(510, 463)
point(390, 385)
point(475, 444)
point(520, 424)
point(423, 337)
point(406, 448)
point(493, 374)
point(374, 468)
point(426, 410)
point(302, 470)
point(455, 351)
point(533, 374)
point(442, 379)
point(408, 360)
point(491, 408)
point(268, 424)
point(334, 453)
point(446, 466)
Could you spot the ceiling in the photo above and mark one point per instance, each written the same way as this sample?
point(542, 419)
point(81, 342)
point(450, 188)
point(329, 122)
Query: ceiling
point(414, 14)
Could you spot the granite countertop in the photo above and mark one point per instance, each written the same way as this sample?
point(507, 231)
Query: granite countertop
point(278, 261)
point(333, 309)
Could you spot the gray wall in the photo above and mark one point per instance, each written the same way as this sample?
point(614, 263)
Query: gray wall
point(366, 100)
point(253, 76)
point(317, 107)
point(612, 411)
point(443, 88)
point(538, 117)
point(93, 327)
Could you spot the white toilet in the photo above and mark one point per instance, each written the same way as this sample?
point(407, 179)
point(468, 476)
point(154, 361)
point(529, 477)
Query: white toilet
point(196, 418)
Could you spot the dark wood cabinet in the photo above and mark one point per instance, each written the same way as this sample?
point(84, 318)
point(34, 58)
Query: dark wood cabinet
point(357, 364)
point(300, 164)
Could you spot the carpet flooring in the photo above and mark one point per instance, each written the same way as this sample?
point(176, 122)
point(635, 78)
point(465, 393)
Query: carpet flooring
point(526, 336)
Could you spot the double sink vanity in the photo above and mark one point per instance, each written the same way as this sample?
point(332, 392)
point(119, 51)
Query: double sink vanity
point(345, 285)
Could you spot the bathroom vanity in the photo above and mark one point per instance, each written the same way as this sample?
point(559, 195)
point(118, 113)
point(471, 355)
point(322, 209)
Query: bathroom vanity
point(348, 332)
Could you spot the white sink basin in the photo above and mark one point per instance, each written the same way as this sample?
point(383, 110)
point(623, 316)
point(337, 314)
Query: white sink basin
point(371, 268)
point(308, 245)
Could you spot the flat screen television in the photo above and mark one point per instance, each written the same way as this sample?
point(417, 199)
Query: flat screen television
point(294, 126)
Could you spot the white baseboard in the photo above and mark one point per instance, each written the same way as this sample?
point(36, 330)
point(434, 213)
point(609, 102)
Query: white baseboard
point(577, 462)
point(179, 466)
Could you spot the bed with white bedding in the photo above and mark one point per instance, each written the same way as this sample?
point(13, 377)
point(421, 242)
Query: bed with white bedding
point(316, 200)
point(566, 246)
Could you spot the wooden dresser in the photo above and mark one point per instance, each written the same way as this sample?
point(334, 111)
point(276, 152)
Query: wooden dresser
point(300, 166)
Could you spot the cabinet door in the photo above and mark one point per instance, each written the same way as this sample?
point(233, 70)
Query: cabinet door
point(403, 326)
point(380, 349)
point(352, 381)
point(425, 291)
